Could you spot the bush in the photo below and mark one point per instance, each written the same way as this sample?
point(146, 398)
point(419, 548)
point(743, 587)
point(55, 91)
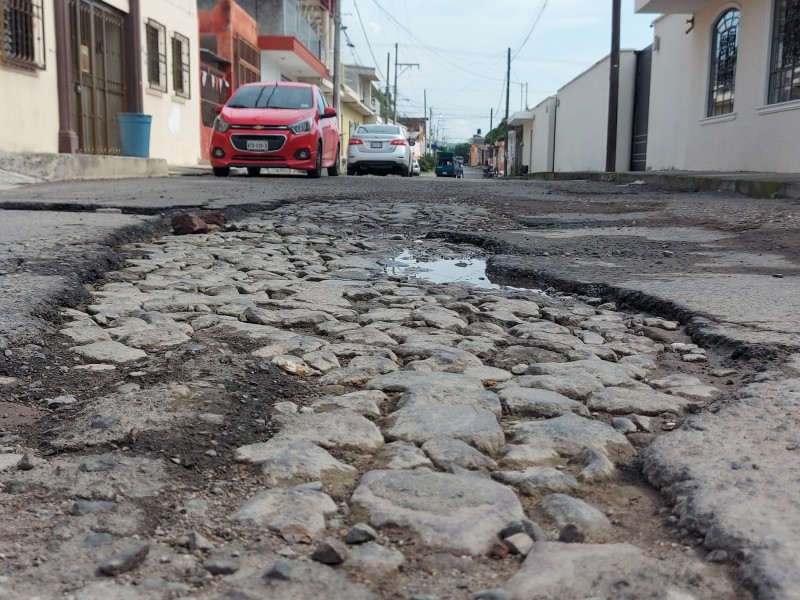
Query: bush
point(427, 163)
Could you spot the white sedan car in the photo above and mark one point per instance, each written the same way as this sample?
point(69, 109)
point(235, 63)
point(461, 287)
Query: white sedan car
point(415, 167)
point(381, 149)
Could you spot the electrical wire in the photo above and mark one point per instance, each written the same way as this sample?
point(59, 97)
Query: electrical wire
point(530, 31)
point(366, 38)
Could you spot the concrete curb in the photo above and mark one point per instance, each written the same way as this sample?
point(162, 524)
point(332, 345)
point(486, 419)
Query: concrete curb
point(70, 167)
point(754, 185)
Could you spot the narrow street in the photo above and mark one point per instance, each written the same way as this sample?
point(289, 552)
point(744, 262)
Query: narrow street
point(381, 387)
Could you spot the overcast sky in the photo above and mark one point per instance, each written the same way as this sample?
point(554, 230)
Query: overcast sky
point(461, 47)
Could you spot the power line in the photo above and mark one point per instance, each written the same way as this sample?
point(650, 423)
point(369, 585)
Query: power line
point(533, 26)
point(366, 38)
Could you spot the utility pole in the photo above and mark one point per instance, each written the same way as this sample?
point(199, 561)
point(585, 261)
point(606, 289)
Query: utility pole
point(508, 93)
point(613, 91)
point(430, 121)
point(491, 118)
point(337, 61)
point(396, 65)
point(425, 120)
point(388, 59)
point(394, 111)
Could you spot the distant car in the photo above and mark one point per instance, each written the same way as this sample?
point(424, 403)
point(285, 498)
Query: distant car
point(447, 165)
point(415, 170)
point(381, 149)
point(276, 125)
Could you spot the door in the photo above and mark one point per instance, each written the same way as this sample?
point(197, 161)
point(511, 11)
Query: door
point(98, 75)
point(641, 109)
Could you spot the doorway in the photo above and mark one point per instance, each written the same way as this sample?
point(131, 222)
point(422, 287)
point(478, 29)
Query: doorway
point(98, 75)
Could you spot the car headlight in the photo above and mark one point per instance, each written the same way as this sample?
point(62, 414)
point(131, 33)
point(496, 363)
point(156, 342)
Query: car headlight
point(221, 125)
point(303, 126)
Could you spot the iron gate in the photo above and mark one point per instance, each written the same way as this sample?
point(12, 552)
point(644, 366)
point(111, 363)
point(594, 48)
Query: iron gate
point(98, 75)
point(641, 109)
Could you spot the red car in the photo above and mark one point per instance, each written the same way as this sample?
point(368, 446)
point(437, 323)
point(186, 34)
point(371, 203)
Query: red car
point(276, 125)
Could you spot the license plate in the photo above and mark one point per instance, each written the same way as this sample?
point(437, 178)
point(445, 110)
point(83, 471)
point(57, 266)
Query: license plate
point(257, 145)
point(375, 145)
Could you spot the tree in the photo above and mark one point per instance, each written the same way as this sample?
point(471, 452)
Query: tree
point(498, 134)
point(385, 101)
point(462, 149)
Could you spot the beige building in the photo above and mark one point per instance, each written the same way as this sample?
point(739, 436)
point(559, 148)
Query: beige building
point(81, 63)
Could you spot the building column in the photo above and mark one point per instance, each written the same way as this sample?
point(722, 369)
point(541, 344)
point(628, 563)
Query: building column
point(133, 59)
point(67, 136)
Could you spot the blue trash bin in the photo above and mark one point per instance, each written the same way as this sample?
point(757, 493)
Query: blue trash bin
point(134, 134)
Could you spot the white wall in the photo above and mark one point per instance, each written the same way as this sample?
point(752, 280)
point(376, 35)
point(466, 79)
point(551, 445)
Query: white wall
point(582, 122)
point(175, 128)
point(35, 129)
point(670, 100)
point(270, 71)
point(755, 137)
point(544, 124)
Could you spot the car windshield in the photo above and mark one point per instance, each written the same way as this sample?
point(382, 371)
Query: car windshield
point(272, 96)
point(385, 129)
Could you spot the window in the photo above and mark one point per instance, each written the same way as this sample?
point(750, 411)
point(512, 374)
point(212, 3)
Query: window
point(156, 39)
point(723, 64)
point(784, 78)
point(180, 65)
point(22, 34)
point(267, 96)
point(321, 103)
point(248, 63)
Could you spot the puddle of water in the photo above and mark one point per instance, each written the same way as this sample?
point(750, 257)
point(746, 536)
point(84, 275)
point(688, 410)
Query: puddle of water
point(443, 270)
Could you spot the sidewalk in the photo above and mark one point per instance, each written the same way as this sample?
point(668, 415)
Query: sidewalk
point(20, 169)
point(755, 185)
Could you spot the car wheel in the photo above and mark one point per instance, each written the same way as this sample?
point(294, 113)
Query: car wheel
point(351, 170)
point(333, 170)
point(254, 171)
point(317, 170)
point(221, 171)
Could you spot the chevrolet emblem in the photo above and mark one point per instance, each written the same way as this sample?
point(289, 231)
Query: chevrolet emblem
point(258, 127)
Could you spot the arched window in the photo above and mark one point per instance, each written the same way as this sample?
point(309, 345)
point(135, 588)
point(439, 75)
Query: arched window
point(784, 77)
point(723, 64)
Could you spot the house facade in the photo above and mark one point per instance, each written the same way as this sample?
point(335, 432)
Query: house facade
point(229, 57)
point(725, 92)
point(358, 105)
point(86, 61)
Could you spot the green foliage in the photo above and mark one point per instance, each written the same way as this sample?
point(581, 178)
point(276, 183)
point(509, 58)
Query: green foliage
point(497, 134)
point(462, 149)
point(427, 162)
point(385, 101)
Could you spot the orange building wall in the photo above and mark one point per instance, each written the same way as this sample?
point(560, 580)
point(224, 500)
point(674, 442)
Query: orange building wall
point(226, 20)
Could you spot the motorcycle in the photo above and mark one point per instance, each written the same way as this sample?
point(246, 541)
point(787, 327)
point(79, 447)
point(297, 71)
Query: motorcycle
point(489, 173)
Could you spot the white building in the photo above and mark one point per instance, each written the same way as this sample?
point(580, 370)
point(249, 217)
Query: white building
point(582, 117)
point(725, 92)
point(568, 132)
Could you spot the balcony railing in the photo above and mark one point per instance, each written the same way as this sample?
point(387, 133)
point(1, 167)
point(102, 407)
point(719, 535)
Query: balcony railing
point(288, 20)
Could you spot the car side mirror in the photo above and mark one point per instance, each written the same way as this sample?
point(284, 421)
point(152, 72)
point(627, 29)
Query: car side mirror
point(329, 112)
point(411, 142)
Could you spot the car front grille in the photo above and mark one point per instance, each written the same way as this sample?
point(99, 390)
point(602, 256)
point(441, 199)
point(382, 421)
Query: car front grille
point(274, 142)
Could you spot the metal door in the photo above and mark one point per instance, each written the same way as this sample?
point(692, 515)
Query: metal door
point(98, 75)
point(641, 109)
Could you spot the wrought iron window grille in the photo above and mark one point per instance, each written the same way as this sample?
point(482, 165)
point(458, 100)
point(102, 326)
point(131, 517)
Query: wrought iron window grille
point(180, 65)
point(156, 40)
point(784, 77)
point(723, 64)
point(22, 34)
